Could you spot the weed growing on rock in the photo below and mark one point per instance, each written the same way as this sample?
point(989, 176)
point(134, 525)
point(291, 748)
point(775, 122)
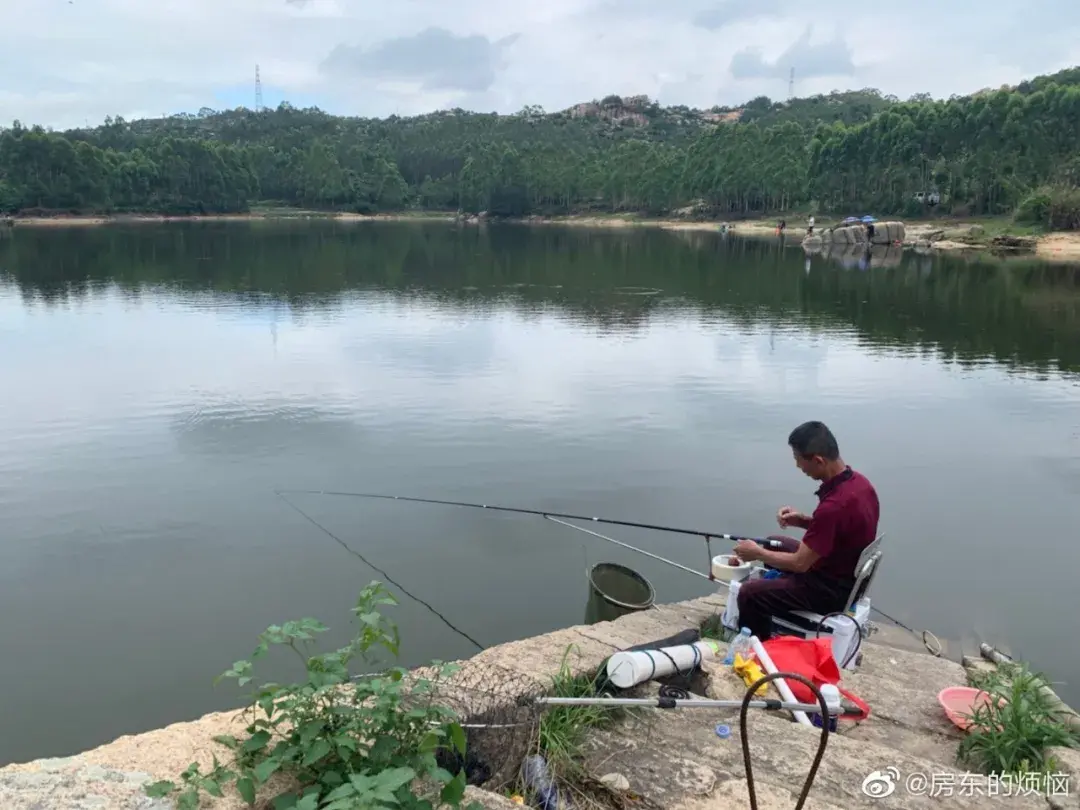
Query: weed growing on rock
point(713, 627)
point(563, 728)
point(1013, 730)
point(334, 743)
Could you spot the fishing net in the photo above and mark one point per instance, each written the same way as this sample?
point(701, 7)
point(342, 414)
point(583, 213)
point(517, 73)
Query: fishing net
point(497, 709)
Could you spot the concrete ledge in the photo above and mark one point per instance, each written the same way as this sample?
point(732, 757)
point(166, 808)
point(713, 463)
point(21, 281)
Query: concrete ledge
point(675, 760)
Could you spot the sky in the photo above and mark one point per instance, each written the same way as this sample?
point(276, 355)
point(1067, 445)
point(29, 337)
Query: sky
point(66, 63)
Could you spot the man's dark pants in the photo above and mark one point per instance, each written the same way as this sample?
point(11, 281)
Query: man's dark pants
point(760, 599)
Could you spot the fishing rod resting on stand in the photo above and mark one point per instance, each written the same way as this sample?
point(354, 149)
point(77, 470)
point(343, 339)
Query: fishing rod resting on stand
point(934, 648)
point(663, 701)
point(748, 702)
point(538, 512)
point(560, 517)
point(672, 563)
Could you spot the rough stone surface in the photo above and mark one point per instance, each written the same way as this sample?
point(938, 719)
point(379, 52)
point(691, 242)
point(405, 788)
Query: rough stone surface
point(676, 760)
point(488, 800)
point(615, 781)
point(72, 784)
point(915, 708)
point(734, 794)
point(1067, 762)
point(541, 658)
point(662, 621)
point(673, 760)
point(930, 746)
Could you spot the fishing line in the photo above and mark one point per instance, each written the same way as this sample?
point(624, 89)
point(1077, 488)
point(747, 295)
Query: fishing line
point(652, 527)
point(385, 575)
point(935, 648)
point(626, 545)
point(929, 640)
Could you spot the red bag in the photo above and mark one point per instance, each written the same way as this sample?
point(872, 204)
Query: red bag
point(813, 659)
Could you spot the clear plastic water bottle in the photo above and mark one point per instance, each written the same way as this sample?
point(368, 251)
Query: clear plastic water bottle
point(740, 645)
point(534, 772)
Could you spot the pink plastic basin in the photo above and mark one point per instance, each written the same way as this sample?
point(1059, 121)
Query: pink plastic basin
point(960, 702)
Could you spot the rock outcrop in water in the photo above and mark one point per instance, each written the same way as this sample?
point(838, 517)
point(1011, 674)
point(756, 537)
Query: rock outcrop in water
point(885, 233)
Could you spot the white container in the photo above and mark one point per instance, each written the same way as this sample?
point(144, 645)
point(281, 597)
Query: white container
point(722, 571)
point(845, 636)
point(832, 698)
point(626, 669)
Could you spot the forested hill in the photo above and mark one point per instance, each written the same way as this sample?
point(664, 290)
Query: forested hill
point(851, 152)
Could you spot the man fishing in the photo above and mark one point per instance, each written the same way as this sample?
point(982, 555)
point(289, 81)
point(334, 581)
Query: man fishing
point(818, 572)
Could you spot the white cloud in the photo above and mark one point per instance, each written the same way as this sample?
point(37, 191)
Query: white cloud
point(816, 59)
point(62, 64)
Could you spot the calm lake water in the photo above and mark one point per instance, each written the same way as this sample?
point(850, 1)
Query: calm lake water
point(160, 382)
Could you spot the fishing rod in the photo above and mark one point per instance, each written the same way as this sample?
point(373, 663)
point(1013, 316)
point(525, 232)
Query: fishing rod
point(769, 704)
point(822, 707)
point(385, 575)
point(734, 538)
point(665, 560)
point(934, 648)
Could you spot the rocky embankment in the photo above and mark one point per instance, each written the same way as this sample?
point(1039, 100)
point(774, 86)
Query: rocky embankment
point(659, 759)
point(885, 233)
point(966, 237)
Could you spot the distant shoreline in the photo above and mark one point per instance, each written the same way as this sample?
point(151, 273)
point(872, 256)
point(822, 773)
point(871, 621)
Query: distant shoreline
point(1058, 246)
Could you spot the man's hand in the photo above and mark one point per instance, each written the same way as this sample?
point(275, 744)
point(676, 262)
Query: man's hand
point(748, 550)
point(788, 516)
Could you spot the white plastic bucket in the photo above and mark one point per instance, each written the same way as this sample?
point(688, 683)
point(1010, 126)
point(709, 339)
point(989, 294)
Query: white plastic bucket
point(723, 571)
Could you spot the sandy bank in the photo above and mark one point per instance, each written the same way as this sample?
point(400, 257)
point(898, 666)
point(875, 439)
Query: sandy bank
point(419, 216)
point(1062, 247)
point(255, 216)
point(122, 219)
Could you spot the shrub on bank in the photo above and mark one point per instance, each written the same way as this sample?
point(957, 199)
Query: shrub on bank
point(1055, 208)
point(342, 743)
point(1012, 732)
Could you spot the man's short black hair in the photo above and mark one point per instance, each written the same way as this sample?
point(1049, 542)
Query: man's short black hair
point(814, 439)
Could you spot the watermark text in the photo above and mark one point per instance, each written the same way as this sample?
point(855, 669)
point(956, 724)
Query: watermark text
point(888, 781)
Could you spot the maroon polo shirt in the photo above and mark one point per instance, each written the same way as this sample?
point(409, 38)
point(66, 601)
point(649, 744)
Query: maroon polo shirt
point(844, 523)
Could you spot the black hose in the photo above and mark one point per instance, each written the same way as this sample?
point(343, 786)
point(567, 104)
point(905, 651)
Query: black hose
point(858, 634)
point(746, 740)
point(669, 690)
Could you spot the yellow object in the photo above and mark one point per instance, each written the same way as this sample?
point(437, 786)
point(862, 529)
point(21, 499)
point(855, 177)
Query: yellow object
point(750, 672)
point(516, 799)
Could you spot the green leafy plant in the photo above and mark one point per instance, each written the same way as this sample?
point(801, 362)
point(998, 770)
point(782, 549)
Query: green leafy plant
point(335, 742)
point(1011, 732)
point(563, 729)
point(713, 627)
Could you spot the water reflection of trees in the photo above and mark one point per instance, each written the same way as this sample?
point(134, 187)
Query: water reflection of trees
point(1022, 313)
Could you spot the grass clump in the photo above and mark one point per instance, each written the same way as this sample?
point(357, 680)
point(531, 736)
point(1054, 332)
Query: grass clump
point(1012, 732)
point(713, 627)
point(563, 729)
point(331, 742)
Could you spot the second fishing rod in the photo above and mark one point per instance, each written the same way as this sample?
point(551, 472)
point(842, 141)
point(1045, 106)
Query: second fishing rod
point(734, 538)
point(930, 641)
point(562, 517)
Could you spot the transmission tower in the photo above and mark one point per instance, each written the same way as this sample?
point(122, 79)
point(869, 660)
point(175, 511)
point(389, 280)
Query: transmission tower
point(258, 91)
point(791, 86)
